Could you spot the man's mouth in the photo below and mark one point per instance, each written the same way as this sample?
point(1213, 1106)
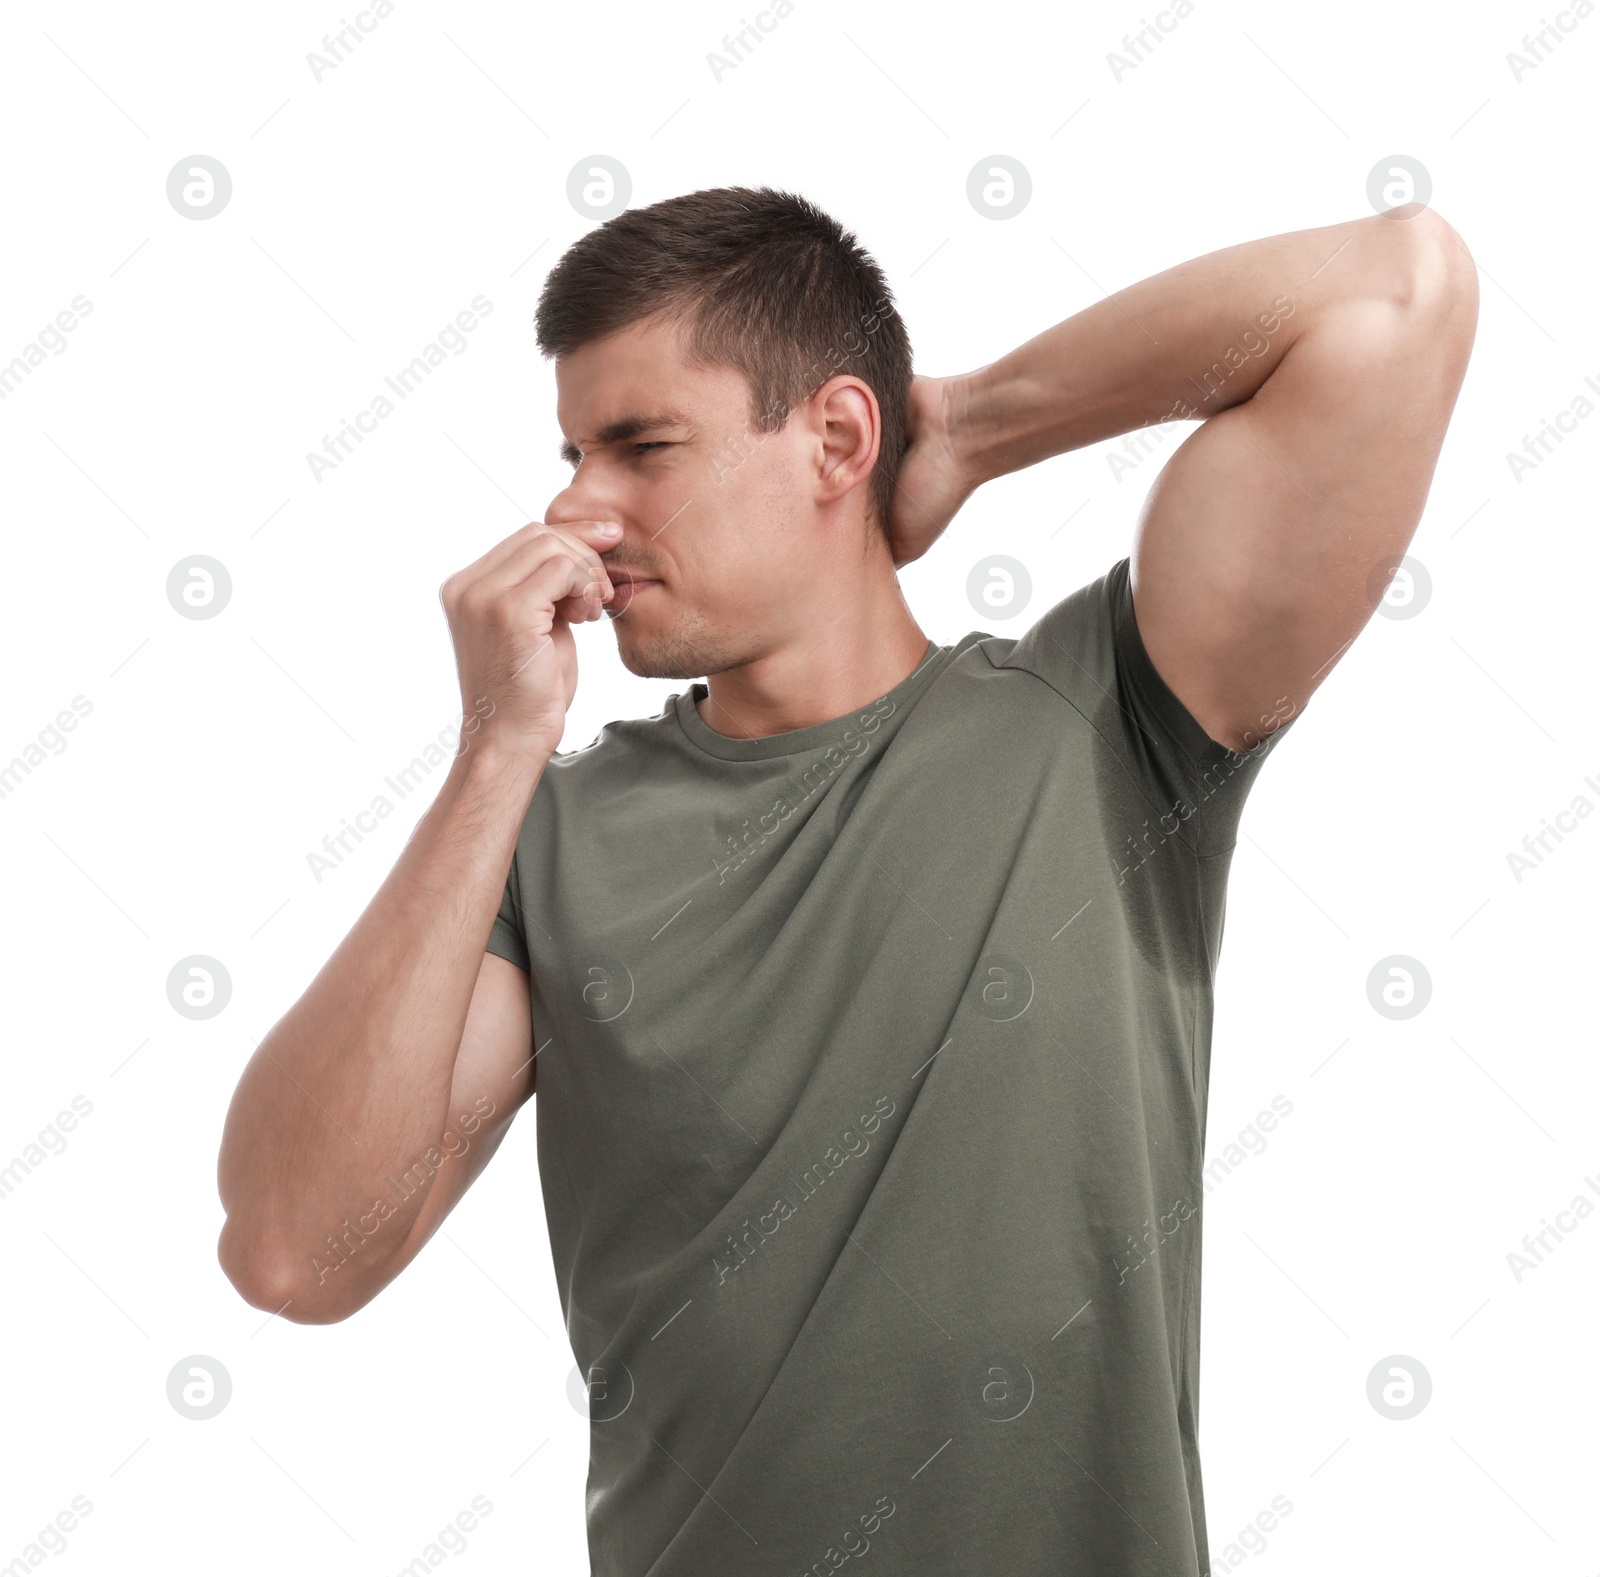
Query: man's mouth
point(625, 587)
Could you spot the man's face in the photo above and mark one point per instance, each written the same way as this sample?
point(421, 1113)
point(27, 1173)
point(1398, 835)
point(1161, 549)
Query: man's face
point(722, 525)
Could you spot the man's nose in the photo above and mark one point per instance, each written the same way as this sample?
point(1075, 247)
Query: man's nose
point(582, 500)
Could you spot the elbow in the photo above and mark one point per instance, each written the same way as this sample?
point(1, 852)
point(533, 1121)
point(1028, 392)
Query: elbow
point(301, 1292)
point(1435, 278)
point(1417, 303)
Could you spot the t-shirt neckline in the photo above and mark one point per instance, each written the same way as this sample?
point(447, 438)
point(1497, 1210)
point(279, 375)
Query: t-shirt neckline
point(817, 735)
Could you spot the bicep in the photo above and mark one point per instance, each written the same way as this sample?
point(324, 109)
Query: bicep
point(493, 1079)
point(1269, 537)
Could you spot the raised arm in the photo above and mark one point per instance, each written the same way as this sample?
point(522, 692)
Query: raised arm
point(376, 1099)
point(1323, 365)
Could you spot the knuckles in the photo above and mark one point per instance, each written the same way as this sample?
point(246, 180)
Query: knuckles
point(466, 600)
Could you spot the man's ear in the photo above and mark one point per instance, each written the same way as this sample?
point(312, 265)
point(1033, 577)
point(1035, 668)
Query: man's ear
point(851, 430)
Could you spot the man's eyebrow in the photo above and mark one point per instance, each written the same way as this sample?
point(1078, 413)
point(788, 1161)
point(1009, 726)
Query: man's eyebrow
point(619, 432)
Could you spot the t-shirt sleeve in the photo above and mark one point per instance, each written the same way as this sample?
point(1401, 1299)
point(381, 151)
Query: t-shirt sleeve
point(1088, 649)
point(506, 936)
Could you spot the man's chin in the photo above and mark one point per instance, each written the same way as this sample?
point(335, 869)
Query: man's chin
point(671, 654)
point(656, 658)
point(647, 665)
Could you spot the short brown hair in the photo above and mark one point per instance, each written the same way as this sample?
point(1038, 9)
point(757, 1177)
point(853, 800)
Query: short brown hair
point(765, 282)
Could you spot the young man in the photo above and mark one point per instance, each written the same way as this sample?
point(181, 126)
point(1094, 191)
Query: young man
point(869, 984)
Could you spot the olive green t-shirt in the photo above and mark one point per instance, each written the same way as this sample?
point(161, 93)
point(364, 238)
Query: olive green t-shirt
point(871, 1112)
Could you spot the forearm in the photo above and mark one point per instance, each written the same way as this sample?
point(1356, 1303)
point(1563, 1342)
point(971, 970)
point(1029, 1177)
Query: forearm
point(1182, 344)
point(352, 1085)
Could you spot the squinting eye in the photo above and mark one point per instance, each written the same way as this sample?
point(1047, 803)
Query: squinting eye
point(659, 443)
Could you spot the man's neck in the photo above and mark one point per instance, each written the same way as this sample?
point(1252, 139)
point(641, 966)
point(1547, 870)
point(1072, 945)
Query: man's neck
point(861, 652)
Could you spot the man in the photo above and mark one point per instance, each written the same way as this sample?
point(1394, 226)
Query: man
point(869, 984)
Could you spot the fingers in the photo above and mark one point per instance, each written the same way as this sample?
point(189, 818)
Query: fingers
point(586, 589)
point(596, 534)
point(546, 572)
point(510, 561)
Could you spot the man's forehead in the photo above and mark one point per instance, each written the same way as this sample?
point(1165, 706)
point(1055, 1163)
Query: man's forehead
point(615, 383)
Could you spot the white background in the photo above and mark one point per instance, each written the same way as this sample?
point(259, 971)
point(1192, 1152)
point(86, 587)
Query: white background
point(370, 207)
